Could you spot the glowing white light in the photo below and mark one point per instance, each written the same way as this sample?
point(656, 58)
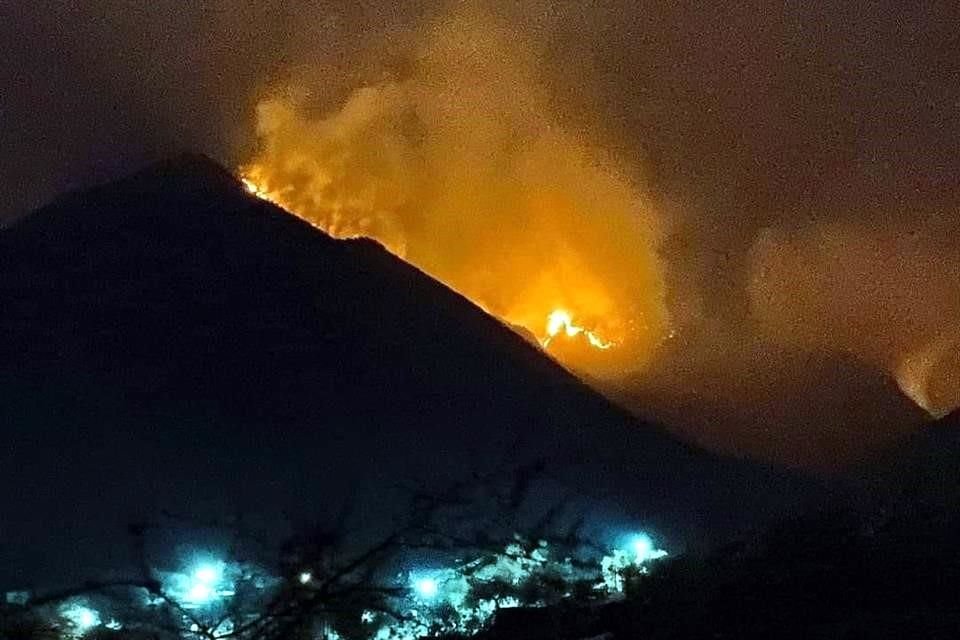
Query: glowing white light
point(643, 546)
point(208, 574)
point(203, 583)
point(644, 549)
point(305, 577)
point(200, 593)
point(87, 618)
point(426, 588)
point(82, 618)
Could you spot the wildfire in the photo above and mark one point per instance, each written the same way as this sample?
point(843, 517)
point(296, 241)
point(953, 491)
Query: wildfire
point(254, 189)
point(560, 321)
point(461, 169)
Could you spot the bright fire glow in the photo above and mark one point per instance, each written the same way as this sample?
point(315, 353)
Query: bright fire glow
point(561, 322)
point(254, 189)
point(462, 167)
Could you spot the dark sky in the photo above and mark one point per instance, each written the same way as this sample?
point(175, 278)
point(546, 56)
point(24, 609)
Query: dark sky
point(804, 154)
point(761, 107)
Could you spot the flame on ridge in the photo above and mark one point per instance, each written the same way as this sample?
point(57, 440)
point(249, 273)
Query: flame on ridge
point(559, 322)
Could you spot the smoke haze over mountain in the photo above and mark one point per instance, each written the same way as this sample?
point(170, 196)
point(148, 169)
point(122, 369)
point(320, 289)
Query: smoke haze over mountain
point(755, 180)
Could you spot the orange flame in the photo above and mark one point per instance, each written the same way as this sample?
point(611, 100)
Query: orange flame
point(254, 189)
point(560, 321)
point(463, 169)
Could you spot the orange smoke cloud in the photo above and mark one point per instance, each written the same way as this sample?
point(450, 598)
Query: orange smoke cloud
point(461, 167)
point(885, 293)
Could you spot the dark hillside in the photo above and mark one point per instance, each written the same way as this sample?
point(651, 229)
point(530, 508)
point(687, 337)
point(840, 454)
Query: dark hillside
point(169, 341)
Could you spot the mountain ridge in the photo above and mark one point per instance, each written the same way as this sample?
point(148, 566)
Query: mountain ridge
point(169, 334)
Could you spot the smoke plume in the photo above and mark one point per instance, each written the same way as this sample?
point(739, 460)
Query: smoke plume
point(461, 165)
point(773, 185)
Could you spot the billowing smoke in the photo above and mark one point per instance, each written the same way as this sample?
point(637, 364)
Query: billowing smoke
point(775, 184)
point(461, 165)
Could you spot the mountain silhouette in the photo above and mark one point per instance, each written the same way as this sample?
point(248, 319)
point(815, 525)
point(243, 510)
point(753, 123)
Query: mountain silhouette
point(171, 342)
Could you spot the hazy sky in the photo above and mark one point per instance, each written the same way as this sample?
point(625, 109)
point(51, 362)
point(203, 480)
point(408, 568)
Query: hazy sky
point(801, 157)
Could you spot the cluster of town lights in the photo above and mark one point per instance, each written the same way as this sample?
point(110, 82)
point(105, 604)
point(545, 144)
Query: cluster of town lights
point(210, 581)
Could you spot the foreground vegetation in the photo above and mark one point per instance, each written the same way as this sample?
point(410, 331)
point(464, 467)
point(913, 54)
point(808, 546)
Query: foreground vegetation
point(858, 569)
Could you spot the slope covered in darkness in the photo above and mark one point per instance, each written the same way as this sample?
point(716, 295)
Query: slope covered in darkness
point(171, 342)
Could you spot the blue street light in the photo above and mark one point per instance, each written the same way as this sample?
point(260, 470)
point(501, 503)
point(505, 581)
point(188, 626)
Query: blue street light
point(426, 587)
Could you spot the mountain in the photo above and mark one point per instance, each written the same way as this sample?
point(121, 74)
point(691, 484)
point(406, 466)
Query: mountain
point(815, 410)
point(920, 472)
point(938, 442)
point(171, 342)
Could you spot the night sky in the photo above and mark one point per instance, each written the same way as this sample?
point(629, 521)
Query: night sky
point(801, 161)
